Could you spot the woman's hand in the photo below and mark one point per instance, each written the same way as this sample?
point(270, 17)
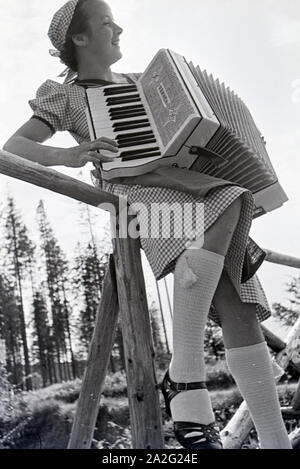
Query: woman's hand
point(78, 156)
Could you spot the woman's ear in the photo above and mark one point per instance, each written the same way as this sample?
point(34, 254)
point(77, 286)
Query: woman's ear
point(80, 40)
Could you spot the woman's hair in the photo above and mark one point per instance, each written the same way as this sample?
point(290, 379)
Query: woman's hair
point(79, 24)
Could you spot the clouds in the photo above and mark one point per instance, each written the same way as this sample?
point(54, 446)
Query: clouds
point(283, 19)
point(287, 32)
point(251, 45)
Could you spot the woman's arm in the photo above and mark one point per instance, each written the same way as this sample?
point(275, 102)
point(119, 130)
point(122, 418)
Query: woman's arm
point(27, 143)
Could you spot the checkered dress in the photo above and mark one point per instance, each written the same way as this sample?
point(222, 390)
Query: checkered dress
point(62, 107)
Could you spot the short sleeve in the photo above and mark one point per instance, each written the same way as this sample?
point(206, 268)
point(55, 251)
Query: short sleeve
point(50, 105)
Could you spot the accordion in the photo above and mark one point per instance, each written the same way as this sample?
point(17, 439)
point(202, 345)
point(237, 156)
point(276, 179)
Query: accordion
point(176, 114)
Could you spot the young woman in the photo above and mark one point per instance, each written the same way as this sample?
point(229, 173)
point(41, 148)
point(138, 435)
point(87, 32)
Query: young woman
point(215, 279)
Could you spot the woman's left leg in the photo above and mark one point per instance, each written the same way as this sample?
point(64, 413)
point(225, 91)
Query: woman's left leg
point(249, 362)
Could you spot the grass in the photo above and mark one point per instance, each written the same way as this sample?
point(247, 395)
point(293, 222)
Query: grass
point(43, 418)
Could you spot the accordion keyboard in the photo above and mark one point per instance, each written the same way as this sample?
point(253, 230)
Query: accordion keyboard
point(119, 114)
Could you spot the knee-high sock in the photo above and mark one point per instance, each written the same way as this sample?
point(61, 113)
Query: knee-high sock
point(197, 274)
point(253, 372)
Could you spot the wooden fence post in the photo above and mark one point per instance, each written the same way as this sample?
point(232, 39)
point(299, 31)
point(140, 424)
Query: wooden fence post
point(95, 372)
point(142, 387)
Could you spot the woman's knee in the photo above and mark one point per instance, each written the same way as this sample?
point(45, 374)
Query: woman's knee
point(229, 305)
point(241, 328)
point(218, 237)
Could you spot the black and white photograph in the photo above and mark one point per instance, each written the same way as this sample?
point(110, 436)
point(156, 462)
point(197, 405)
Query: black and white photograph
point(149, 228)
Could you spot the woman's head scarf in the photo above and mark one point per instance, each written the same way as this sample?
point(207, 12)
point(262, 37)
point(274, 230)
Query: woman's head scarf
point(58, 32)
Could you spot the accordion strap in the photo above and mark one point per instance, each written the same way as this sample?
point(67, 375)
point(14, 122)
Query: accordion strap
point(209, 154)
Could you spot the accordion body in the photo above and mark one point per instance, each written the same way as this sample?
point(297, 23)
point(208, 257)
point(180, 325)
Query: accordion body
point(176, 114)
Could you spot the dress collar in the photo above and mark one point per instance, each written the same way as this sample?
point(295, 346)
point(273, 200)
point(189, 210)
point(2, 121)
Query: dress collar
point(98, 81)
point(91, 81)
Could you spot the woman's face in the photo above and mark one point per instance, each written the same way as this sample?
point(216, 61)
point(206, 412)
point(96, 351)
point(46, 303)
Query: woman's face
point(103, 40)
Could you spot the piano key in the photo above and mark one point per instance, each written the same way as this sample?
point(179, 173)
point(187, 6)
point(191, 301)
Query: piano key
point(122, 100)
point(135, 141)
point(130, 136)
point(140, 156)
point(138, 151)
point(132, 150)
point(125, 108)
point(144, 142)
point(128, 115)
point(132, 127)
point(122, 130)
point(119, 89)
point(129, 96)
point(109, 133)
point(106, 118)
point(136, 134)
point(132, 122)
point(107, 122)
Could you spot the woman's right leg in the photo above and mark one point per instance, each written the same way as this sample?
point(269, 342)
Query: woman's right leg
point(196, 276)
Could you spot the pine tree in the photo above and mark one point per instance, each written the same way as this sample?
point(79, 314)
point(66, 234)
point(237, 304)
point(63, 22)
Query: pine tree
point(156, 327)
point(57, 273)
point(10, 332)
point(43, 344)
point(89, 272)
point(18, 251)
point(288, 315)
point(87, 281)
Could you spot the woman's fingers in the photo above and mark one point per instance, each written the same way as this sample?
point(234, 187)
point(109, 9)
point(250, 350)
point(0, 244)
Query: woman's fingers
point(104, 143)
point(91, 151)
point(108, 140)
point(98, 157)
point(90, 159)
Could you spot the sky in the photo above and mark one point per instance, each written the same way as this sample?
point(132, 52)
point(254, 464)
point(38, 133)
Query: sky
point(251, 45)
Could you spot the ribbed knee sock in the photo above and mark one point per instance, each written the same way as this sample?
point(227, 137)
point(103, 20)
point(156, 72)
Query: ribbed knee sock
point(197, 274)
point(253, 372)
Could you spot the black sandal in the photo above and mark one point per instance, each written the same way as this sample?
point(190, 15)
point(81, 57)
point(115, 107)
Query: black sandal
point(190, 434)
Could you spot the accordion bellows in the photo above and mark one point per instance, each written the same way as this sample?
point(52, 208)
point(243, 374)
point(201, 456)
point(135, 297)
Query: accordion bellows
point(238, 139)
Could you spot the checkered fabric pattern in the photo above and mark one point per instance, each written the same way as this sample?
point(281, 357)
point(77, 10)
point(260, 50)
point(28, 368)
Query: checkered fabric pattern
point(60, 24)
point(162, 253)
point(63, 107)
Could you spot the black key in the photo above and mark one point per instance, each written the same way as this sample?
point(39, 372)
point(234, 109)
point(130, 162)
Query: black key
point(144, 142)
point(130, 127)
point(137, 157)
point(134, 107)
point(131, 142)
point(119, 89)
point(124, 154)
point(135, 134)
point(130, 113)
point(137, 121)
point(125, 108)
point(128, 116)
point(123, 100)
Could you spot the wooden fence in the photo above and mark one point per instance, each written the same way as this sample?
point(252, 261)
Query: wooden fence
point(124, 289)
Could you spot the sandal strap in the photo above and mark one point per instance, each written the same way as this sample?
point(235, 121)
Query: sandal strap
point(208, 433)
point(185, 386)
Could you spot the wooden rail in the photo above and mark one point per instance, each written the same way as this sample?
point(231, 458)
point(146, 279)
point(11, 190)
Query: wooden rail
point(38, 175)
point(124, 290)
point(282, 259)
